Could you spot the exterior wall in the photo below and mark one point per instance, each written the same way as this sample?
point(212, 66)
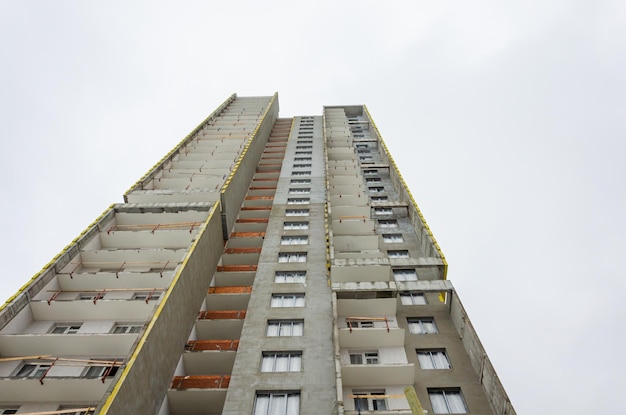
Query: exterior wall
point(148, 374)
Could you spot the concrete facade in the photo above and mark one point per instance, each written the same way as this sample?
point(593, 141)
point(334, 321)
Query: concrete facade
point(264, 266)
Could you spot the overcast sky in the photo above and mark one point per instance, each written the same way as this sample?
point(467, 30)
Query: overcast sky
point(507, 121)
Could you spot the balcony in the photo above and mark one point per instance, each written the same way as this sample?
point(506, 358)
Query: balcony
point(224, 297)
point(66, 344)
point(363, 273)
point(378, 374)
point(87, 310)
point(200, 382)
point(220, 324)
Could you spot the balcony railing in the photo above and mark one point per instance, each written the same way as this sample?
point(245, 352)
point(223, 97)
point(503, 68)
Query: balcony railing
point(200, 382)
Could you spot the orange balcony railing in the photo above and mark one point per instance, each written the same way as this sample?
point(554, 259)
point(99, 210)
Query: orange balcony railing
point(221, 314)
point(243, 289)
point(200, 345)
point(200, 382)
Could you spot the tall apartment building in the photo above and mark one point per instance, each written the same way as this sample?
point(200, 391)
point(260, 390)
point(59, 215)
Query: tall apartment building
point(265, 266)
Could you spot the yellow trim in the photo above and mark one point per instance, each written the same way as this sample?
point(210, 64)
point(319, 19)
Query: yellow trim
point(159, 164)
point(245, 149)
point(52, 262)
point(157, 313)
point(419, 212)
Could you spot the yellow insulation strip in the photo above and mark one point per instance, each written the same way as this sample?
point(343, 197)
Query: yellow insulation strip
point(419, 212)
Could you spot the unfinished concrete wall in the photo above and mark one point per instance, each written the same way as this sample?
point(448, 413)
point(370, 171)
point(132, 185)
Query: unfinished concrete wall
point(236, 187)
point(496, 395)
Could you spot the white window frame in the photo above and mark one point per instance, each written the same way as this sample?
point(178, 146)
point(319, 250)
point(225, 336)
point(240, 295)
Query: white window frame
point(398, 253)
point(380, 211)
point(303, 153)
point(302, 158)
point(373, 404)
point(9, 410)
point(126, 328)
point(290, 257)
point(447, 401)
point(284, 328)
point(66, 328)
point(302, 165)
point(143, 295)
point(360, 324)
point(393, 238)
point(364, 357)
point(299, 190)
point(301, 173)
point(298, 200)
point(291, 226)
point(405, 274)
point(287, 300)
point(277, 403)
point(32, 370)
point(412, 298)
point(376, 189)
point(379, 198)
point(281, 361)
point(422, 325)
point(97, 371)
point(290, 277)
point(388, 223)
point(300, 181)
point(294, 240)
point(297, 212)
point(435, 359)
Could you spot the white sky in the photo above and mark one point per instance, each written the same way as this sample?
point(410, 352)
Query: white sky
point(506, 119)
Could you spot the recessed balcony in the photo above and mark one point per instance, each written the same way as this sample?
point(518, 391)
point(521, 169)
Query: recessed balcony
point(378, 374)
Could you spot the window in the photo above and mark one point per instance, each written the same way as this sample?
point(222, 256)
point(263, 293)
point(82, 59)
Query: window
point(301, 173)
point(388, 223)
point(12, 410)
point(363, 151)
point(369, 400)
point(290, 226)
point(370, 172)
point(304, 141)
point(398, 253)
point(294, 240)
point(127, 328)
point(379, 198)
point(300, 190)
point(29, 370)
point(303, 153)
point(303, 148)
point(412, 298)
point(99, 371)
point(91, 296)
point(302, 159)
point(373, 180)
point(277, 403)
point(287, 300)
point(76, 410)
point(433, 359)
point(285, 328)
point(300, 181)
point(66, 328)
point(447, 401)
point(422, 325)
point(146, 296)
point(383, 211)
point(291, 257)
point(362, 158)
point(302, 166)
point(393, 238)
point(290, 276)
point(364, 358)
point(281, 362)
point(297, 212)
point(362, 324)
point(376, 189)
point(298, 200)
point(404, 275)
